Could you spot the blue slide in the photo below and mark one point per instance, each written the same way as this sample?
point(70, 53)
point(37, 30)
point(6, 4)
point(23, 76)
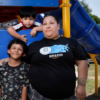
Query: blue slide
point(5, 38)
point(83, 28)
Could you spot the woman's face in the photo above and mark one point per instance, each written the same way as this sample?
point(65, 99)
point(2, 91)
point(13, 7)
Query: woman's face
point(50, 28)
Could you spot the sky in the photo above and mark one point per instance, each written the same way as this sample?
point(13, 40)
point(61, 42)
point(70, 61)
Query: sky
point(94, 5)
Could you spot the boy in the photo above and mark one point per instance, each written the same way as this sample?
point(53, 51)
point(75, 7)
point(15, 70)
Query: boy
point(27, 17)
point(14, 79)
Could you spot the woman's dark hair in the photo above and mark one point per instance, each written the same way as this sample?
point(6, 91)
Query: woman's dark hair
point(27, 12)
point(17, 41)
point(55, 17)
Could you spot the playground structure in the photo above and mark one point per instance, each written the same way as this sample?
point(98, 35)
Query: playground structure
point(76, 24)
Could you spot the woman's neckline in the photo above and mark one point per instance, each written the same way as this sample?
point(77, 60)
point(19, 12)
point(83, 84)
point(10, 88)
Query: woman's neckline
point(53, 39)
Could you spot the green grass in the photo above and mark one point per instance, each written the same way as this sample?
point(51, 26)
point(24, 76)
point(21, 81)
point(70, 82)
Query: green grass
point(90, 85)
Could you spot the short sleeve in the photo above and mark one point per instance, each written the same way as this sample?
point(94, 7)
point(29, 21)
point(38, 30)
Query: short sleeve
point(37, 23)
point(30, 52)
point(27, 58)
point(26, 76)
point(18, 26)
point(79, 53)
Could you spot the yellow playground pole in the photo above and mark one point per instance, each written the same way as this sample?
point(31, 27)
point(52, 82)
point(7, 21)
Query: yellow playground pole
point(66, 17)
point(66, 28)
point(96, 73)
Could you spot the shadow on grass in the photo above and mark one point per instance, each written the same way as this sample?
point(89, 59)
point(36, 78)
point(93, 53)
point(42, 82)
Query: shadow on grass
point(93, 97)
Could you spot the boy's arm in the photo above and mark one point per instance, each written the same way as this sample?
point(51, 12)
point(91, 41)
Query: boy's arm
point(26, 83)
point(13, 33)
point(24, 93)
point(35, 30)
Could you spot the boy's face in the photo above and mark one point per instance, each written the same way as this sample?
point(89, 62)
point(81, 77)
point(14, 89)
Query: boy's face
point(16, 51)
point(28, 21)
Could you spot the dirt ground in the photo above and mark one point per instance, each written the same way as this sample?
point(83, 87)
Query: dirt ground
point(93, 97)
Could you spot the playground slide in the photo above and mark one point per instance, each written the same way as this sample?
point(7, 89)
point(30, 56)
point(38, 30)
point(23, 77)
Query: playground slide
point(83, 28)
point(5, 38)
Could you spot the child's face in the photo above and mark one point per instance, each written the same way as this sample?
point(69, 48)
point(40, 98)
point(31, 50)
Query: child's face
point(28, 21)
point(16, 51)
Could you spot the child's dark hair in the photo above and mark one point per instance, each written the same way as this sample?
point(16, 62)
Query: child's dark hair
point(17, 41)
point(52, 16)
point(27, 12)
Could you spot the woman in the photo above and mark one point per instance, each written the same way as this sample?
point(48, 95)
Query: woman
point(52, 59)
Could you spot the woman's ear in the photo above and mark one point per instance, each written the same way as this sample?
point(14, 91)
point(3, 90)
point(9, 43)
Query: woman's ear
point(58, 26)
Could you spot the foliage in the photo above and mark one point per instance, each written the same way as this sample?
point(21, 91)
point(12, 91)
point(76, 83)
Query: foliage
point(88, 10)
point(85, 6)
point(90, 85)
point(95, 18)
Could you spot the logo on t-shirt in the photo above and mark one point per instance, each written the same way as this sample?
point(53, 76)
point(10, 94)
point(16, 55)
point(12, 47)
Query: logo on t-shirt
point(45, 50)
point(54, 50)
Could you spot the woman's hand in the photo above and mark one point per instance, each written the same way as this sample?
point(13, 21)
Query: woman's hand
point(81, 92)
point(3, 61)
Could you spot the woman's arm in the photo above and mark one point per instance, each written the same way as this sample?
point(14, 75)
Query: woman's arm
point(24, 93)
point(82, 77)
point(3, 61)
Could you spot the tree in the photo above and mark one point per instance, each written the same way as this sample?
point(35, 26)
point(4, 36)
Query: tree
point(88, 10)
point(95, 18)
point(85, 6)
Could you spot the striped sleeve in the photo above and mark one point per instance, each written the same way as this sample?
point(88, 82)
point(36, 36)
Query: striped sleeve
point(18, 26)
point(37, 23)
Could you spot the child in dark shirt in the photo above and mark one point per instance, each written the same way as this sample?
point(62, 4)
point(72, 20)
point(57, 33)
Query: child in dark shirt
point(27, 17)
point(14, 73)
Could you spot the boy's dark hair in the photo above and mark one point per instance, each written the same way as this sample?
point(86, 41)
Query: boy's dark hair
point(17, 41)
point(27, 12)
point(55, 17)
